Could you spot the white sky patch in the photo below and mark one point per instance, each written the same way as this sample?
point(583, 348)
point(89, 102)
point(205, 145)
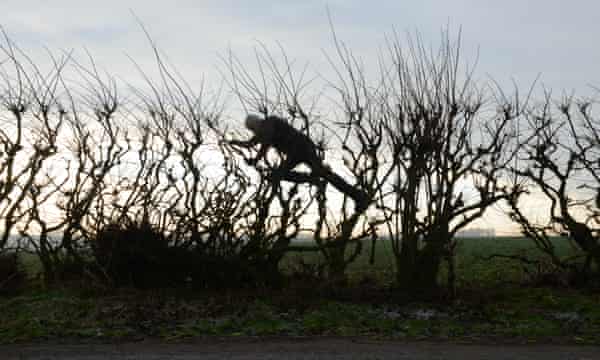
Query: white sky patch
point(517, 39)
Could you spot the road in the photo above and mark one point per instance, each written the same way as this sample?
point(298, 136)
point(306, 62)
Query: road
point(311, 348)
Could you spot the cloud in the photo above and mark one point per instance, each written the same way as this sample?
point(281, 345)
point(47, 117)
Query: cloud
point(517, 39)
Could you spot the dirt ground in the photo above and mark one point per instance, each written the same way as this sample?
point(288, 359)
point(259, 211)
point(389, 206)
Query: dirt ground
point(298, 348)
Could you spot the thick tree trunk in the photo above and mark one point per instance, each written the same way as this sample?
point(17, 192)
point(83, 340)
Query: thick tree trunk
point(406, 263)
point(429, 261)
point(418, 269)
point(336, 267)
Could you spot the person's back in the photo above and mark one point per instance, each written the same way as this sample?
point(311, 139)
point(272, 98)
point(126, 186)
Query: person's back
point(289, 140)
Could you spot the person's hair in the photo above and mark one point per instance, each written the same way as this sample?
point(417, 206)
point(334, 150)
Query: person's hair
point(253, 122)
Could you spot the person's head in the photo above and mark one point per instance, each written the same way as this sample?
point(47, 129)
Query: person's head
point(254, 122)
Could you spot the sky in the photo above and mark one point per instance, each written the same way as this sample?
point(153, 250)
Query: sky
point(513, 40)
point(516, 39)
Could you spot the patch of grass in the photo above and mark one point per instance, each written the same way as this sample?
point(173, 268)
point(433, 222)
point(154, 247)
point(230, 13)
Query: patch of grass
point(521, 314)
point(43, 316)
point(494, 308)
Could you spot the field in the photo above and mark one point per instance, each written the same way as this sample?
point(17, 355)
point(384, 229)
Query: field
point(473, 264)
point(495, 302)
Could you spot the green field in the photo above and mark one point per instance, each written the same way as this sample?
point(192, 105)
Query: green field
point(473, 266)
point(495, 302)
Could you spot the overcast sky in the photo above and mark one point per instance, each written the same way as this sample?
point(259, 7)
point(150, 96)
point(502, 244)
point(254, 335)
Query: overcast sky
point(516, 39)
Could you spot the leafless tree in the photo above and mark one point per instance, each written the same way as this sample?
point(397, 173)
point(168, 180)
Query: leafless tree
point(32, 118)
point(70, 201)
point(203, 198)
point(359, 137)
point(278, 88)
point(560, 161)
point(449, 151)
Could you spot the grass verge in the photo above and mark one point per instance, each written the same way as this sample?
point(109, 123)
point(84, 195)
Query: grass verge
point(519, 315)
